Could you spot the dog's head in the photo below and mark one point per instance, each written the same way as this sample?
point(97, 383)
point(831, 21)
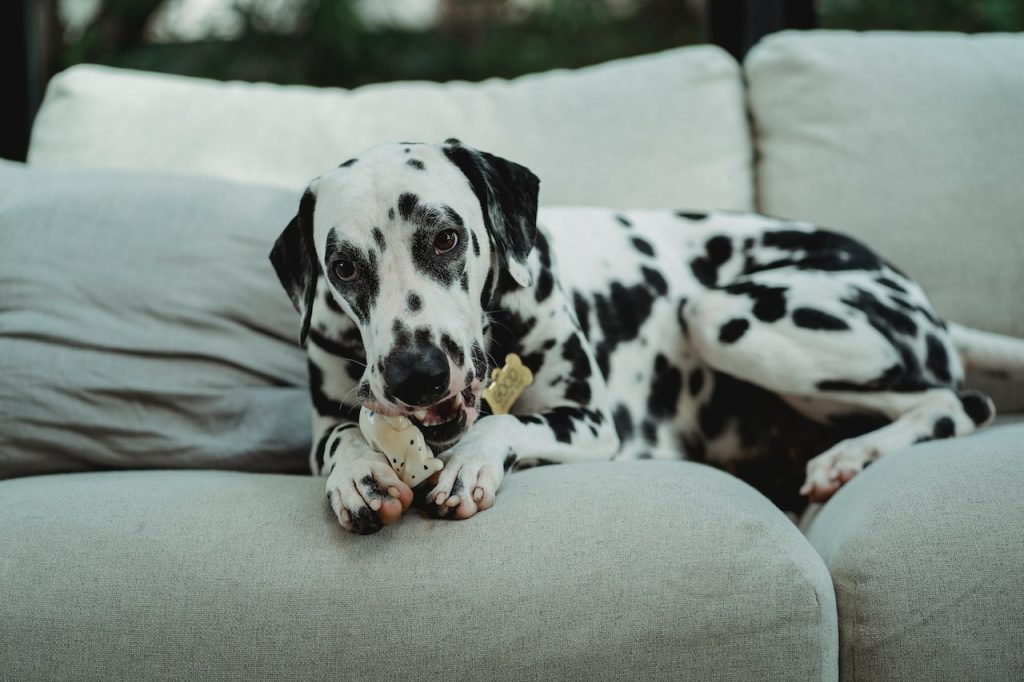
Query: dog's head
point(411, 242)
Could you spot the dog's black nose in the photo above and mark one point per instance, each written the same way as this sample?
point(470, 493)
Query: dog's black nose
point(417, 378)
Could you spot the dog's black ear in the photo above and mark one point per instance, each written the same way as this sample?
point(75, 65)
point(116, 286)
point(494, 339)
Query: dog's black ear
point(508, 200)
point(294, 259)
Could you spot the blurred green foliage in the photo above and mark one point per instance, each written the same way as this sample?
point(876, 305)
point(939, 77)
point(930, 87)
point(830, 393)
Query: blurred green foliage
point(969, 16)
point(331, 45)
point(475, 39)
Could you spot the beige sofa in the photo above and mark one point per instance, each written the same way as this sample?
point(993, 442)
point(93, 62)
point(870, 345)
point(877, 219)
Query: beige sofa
point(156, 339)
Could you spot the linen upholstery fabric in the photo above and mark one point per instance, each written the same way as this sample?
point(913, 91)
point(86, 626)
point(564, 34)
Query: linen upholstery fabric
point(142, 325)
point(662, 130)
point(659, 570)
point(925, 550)
point(912, 142)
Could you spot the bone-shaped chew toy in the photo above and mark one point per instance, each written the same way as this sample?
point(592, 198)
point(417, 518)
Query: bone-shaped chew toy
point(403, 445)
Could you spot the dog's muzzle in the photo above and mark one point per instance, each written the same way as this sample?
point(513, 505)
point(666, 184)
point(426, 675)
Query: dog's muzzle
point(421, 382)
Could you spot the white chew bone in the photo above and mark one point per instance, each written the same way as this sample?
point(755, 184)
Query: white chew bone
point(403, 445)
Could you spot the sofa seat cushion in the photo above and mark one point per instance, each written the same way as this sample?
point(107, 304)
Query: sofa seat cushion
point(912, 142)
point(588, 571)
point(662, 130)
point(925, 549)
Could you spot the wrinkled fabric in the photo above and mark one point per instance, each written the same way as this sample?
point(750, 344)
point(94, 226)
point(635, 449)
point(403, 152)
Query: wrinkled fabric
point(142, 325)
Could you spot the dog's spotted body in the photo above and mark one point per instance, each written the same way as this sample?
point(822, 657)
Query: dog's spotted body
point(770, 348)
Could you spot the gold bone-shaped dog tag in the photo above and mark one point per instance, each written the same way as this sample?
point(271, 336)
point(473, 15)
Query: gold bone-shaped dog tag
point(507, 384)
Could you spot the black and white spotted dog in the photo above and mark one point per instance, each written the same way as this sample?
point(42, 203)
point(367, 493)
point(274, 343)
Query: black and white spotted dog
point(769, 348)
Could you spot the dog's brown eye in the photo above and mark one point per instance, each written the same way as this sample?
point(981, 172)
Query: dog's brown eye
point(345, 270)
point(445, 241)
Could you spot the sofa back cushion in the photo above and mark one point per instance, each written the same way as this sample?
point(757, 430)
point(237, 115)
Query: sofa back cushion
point(142, 325)
point(662, 130)
point(914, 143)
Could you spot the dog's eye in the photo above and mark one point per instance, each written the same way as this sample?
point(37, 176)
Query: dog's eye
point(445, 241)
point(345, 270)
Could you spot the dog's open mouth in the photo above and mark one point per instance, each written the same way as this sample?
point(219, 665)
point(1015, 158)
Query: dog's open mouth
point(445, 421)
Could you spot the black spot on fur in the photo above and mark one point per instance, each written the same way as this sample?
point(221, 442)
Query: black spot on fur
point(812, 318)
point(769, 302)
point(378, 237)
point(475, 242)
point(562, 421)
point(582, 312)
point(696, 381)
point(944, 428)
point(623, 312)
point(681, 316)
point(348, 347)
point(545, 283)
point(731, 331)
point(649, 430)
point(453, 349)
point(655, 280)
point(704, 271)
point(487, 293)
point(464, 281)
point(892, 284)
point(719, 249)
point(937, 360)
point(705, 268)
point(401, 334)
point(821, 250)
point(415, 163)
point(643, 246)
point(391, 213)
point(510, 460)
point(407, 204)
point(424, 336)
point(665, 388)
point(977, 406)
point(414, 302)
point(350, 162)
point(623, 423)
point(578, 378)
point(880, 316)
point(620, 317)
point(692, 215)
point(332, 304)
point(623, 220)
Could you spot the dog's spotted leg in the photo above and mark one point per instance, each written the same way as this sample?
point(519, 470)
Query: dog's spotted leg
point(846, 348)
point(927, 415)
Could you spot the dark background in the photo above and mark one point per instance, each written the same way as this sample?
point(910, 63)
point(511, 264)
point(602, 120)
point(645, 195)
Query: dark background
point(332, 42)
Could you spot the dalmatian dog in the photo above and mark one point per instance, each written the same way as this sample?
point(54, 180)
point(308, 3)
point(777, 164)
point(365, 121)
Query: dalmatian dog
point(770, 348)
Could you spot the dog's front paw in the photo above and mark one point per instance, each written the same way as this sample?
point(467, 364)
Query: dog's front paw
point(830, 470)
point(366, 494)
point(468, 484)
